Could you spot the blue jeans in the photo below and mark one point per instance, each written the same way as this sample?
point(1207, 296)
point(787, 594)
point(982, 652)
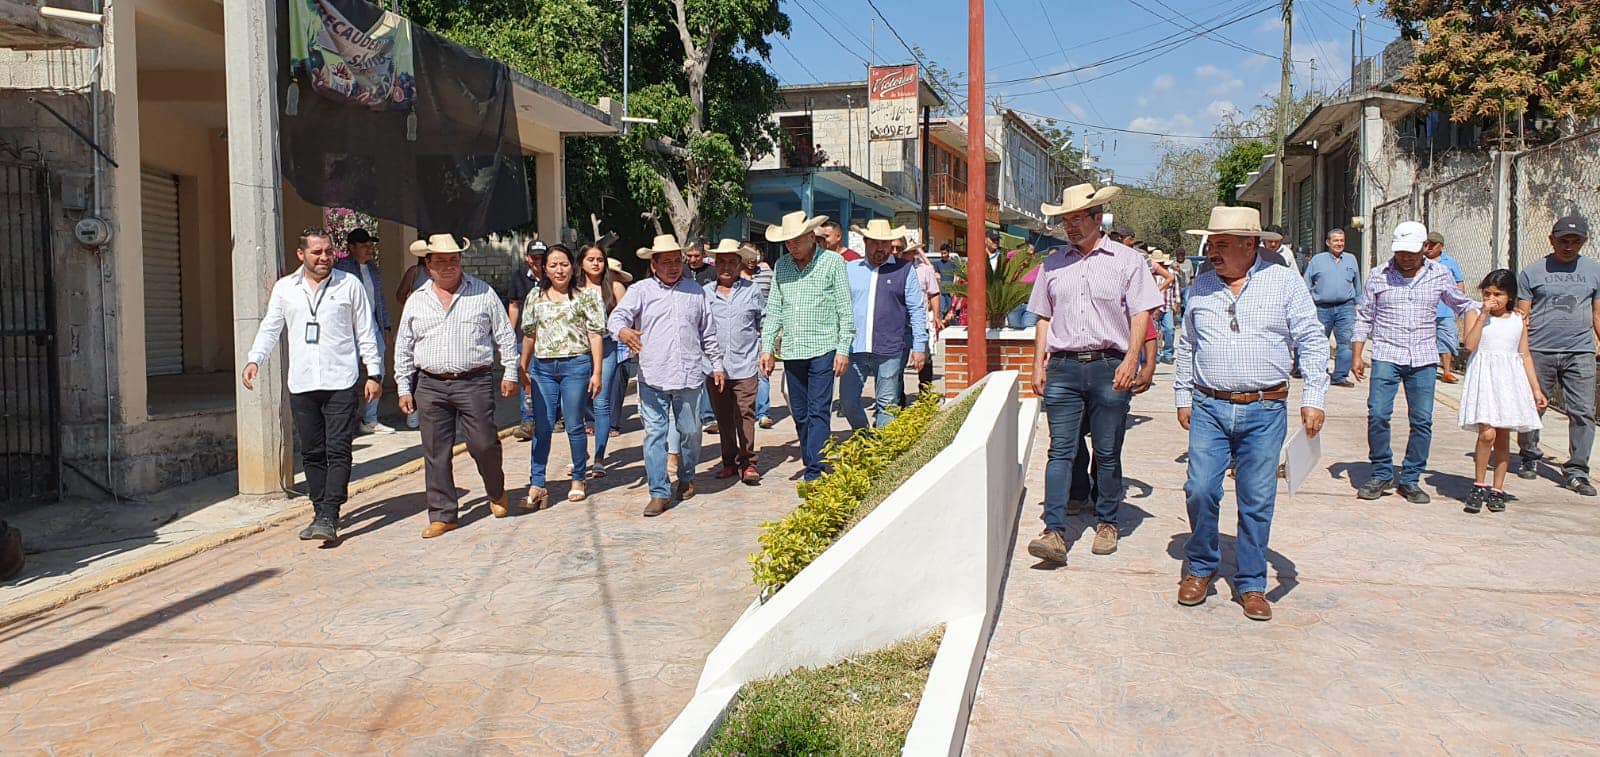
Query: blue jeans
point(1076, 393)
point(1020, 318)
point(604, 416)
point(1249, 437)
point(1338, 320)
point(370, 413)
point(1387, 378)
point(884, 370)
point(619, 388)
point(763, 396)
point(527, 393)
point(562, 383)
point(1164, 326)
point(810, 385)
point(669, 415)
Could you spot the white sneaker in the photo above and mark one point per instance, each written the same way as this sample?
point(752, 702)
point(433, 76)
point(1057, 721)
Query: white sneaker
point(364, 429)
point(412, 422)
point(376, 428)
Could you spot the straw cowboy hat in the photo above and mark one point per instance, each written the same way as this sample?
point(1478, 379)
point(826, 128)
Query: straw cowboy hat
point(880, 229)
point(735, 247)
point(1239, 222)
point(662, 243)
point(1081, 197)
point(1158, 255)
point(794, 224)
point(616, 270)
point(443, 244)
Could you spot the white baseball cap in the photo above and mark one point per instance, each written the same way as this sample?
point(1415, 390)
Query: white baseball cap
point(1409, 236)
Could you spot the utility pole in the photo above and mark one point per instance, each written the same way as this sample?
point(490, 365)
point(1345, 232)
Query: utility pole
point(977, 208)
point(1278, 211)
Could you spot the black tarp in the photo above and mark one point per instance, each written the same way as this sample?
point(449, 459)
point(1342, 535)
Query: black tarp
point(386, 117)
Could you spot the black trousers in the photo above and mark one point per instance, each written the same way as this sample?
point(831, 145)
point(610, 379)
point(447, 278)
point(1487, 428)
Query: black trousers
point(324, 424)
point(440, 405)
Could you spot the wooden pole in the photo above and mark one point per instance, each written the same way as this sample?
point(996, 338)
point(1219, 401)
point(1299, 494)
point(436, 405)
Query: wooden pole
point(977, 206)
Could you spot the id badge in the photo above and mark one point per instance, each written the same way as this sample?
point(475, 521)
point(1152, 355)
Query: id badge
point(313, 333)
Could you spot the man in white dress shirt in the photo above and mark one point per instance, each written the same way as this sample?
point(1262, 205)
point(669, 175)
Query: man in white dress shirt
point(328, 321)
point(445, 349)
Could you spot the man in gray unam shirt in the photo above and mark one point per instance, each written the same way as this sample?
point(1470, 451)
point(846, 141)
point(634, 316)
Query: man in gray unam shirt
point(1559, 298)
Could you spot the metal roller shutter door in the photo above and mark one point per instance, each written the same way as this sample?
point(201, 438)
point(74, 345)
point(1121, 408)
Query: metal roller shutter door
point(163, 279)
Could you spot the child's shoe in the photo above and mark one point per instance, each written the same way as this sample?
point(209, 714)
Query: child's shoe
point(1480, 494)
point(1497, 501)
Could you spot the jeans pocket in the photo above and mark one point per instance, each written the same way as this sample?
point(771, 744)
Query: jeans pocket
point(1274, 406)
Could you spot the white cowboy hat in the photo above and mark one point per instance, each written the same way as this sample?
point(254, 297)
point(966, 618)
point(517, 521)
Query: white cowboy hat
point(443, 244)
point(734, 247)
point(724, 246)
point(419, 248)
point(616, 270)
point(1239, 222)
point(662, 243)
point(794, 224)
point(1159, 255)
point(1080, 197)
point(880, 229)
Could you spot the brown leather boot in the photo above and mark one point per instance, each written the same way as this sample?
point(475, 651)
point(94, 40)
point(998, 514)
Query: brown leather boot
point(657, 506)
point(1256, 606)
point(1192, 590)
point(439, 528)
point(498, 507)
point(683, 491)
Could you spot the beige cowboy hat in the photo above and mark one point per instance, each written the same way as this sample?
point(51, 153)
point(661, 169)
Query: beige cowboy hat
point(443, 244)
point(734, 247)
point(616, 270)
point(1081, 197)
point(1158, 255)
point(794, 224)
point(880, 229)
point(1239, 222)
point(662, 243)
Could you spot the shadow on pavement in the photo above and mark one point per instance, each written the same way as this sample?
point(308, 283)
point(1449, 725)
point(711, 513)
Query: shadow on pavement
point(1278, 566)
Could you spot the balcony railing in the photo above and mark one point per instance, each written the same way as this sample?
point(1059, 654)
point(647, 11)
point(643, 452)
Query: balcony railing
point(945, 189)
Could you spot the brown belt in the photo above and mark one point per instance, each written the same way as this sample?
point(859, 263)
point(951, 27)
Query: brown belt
point(479, 371)
point(1278, 392)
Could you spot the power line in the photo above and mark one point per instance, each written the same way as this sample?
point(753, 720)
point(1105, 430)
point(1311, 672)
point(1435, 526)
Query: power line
point(1055, 34)
point(1194, 24)
point(803, 66)
point(914, 55)
point(1244, 138)
point(827, 31)
point(848, 28)
point(1020, 43)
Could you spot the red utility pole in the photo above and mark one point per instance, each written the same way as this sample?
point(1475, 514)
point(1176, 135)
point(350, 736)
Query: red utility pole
point(977, 205)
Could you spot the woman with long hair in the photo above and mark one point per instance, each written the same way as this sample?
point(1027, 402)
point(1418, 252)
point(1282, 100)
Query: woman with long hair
point(561, 326)
point(600, 280)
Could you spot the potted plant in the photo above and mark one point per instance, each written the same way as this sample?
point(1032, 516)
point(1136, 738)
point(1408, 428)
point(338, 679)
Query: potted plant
point(1004, 288)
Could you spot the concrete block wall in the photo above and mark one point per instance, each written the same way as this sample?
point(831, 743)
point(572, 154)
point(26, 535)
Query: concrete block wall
point(1008, 350)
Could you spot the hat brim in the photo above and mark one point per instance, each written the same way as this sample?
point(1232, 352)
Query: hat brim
point(1100, 197)
point(646, 253)
point(1570, 233)
point(779, 234)
point(894, 233)
point(1406, 247)
point(1265, 236)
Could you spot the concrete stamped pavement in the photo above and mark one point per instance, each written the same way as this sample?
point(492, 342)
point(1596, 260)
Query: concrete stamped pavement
point(578, 629)
point(1398, 628)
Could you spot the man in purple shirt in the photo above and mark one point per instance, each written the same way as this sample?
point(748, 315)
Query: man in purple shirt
point(668, 323)
point(1094, 301)
point(1399, 316)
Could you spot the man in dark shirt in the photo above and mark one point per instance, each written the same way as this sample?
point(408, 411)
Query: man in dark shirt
point(699, 269)
point(525, 282)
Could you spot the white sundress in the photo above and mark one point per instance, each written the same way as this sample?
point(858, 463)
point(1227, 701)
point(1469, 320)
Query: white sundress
point(1496, 390)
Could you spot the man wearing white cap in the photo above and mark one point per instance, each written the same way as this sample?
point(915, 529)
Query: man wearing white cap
point(1399, 315)
point(891, 313)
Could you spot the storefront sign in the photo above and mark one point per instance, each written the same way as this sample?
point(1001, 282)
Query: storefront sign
point(892, 102)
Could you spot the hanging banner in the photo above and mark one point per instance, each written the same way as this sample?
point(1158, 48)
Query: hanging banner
point(892, 102)
point(344, 62)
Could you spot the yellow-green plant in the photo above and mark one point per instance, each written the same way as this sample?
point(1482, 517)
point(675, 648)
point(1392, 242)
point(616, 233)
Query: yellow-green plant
point(829, 504)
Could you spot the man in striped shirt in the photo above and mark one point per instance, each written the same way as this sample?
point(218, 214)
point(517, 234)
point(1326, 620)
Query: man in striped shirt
point(1399, 316)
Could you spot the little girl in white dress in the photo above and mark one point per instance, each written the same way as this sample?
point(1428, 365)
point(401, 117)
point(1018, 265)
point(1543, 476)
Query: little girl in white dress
point(1501, 393)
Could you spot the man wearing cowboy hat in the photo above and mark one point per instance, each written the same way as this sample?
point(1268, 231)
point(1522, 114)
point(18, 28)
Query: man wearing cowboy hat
point(738, 306)
point(666, 321)
point(1399, 316)
point(1167, 282)
point(1246, 319)
point(928, 279)
point(328, 321)
point(810, 314)
point(445, 350)
point(888, 304)
point(1094, 300)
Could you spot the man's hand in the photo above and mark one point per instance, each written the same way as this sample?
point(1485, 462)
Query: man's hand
point(408, 404)
point(1184, 414)
point(766, 363)
point(720, 379)
point(508, 388)
point(918, 359)
point(248, 376)
point(1037, 380)
point(1146, 377)
point(1126, 372)
point(1358, 369)
point(374, 390)
point(840, 364)
point(1312, 419)
point(631, 337)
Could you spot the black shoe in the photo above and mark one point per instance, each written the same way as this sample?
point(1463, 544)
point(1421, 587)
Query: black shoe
point(1414, 494)
point(1528, 469)
point(307, 534)
point(1295, 373)
point(1497, 501)
point(322, 529)
point(1375, 488)
point(1578, 484)
point(1480, 494)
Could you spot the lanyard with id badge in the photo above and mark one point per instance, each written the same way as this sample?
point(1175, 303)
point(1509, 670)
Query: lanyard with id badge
point(313, 329)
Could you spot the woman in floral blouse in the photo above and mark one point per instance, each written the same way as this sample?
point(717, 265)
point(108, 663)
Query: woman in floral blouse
point(561, 326)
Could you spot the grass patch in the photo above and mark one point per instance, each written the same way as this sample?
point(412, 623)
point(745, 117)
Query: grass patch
point(862, 705)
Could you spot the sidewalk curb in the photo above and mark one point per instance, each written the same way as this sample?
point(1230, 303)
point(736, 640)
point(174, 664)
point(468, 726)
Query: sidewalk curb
point(77, 588)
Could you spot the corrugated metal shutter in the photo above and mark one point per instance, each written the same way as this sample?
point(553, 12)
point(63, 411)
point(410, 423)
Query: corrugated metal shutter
point(1306, 220)
point(163, 279)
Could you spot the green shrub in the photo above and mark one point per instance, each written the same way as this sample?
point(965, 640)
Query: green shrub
point(857, 482)
point(862, 705)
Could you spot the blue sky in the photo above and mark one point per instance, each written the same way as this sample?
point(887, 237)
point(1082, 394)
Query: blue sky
point(1155, 85)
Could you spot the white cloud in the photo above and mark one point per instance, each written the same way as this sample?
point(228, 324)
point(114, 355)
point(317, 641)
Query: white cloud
point(1209, 71)
point(1219, 108)
point(1225, 87)
point(1181, 123)
point(1163, 83)
point(1141, 101)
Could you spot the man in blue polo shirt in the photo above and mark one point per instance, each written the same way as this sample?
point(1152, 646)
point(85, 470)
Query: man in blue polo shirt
point(1334, 278)
point(889, 308)
point(1448, 336)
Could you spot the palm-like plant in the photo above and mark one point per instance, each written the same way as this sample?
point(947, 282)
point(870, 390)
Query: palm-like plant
point(1003, 289)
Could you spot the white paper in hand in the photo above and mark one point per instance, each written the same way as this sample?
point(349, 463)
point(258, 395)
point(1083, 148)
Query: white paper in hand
point(1300, 456)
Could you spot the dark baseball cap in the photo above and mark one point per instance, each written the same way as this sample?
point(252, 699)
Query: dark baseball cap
point(993, 235)
point(1435, 237)
point(359, 236)
point(535, 247)
point(1571, 226)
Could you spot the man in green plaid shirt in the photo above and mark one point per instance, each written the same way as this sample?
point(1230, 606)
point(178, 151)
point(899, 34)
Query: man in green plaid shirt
point(810, 321)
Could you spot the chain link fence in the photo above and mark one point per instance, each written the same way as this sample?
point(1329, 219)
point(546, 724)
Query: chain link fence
point(1384, 218)
point(1552, 181)
point(1462, 209)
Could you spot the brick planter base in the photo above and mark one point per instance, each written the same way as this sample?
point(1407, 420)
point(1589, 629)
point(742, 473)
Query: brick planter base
point(1009, 350)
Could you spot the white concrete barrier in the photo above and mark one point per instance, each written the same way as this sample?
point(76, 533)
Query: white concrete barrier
point(934, 552)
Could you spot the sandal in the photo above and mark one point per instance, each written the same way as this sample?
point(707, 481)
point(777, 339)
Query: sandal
point(578, 493)
point(538, 498)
